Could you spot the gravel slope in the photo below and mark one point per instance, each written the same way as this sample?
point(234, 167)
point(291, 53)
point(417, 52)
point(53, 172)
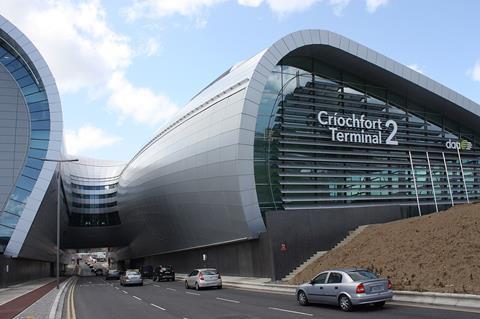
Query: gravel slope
point(438, 252)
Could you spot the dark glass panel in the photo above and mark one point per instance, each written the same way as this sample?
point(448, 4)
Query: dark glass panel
point(43, 144)
point(31, 172)
point(14, 207)
point(20, 195)
point(37, 153)
point(35, 163)
point(36, 97)
point(25, 81)
point(20, 73)
point(9, 220)
point(38, 106)
point(40, 125)
point(40, 135)
point(30, 89)
point(26, 183)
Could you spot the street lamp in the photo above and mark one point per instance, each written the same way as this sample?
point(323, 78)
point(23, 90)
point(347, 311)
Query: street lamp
point(60, 161)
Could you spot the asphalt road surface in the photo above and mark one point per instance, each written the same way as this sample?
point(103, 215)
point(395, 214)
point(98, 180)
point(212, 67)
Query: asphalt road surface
point(97, 298)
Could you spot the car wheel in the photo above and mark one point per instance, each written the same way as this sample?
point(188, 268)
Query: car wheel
point(345, 303)
point(141, 284)
point(219, 287)
point(302, 298)
point(379, 304)
point(197, 287)
point(186, 285)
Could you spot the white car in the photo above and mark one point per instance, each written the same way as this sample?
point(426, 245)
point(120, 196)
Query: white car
point(203, 278)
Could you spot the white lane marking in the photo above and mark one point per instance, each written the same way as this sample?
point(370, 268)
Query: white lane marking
point(117, 288)
point(192, 293)
point(154, 305)
point(171, 289)
point(125, 292)
point(228, 300)
point(157, 286)
point(291, 311)
point(136, 298)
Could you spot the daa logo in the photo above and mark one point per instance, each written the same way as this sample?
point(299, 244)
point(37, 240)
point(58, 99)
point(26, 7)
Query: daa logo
point(463, 145)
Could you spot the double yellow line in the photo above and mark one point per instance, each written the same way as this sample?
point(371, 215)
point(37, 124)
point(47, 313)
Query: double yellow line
point(70, 302)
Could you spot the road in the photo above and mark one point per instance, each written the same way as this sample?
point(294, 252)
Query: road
point(96, 298)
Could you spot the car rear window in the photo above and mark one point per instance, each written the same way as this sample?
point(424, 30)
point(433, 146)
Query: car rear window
point(131, 273)
point(210, 272)
point(361, 275)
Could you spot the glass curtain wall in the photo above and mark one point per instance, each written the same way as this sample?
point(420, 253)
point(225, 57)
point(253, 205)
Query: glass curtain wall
point(301, 163)
point(38, 107)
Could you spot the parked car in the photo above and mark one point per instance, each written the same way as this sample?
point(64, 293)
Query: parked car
point(164, 273)
point(147, 271)
point(346, 288)
point(99, 272)
point(131, 277)
point(112, 274)
point(202, 278)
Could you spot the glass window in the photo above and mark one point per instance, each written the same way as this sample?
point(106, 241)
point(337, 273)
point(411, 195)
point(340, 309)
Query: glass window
point(40, 125)
point(14, 207)
point(35, 163)
point(20, 195)
point(20, 73)
point(37, 153)
point(30, 89)
point(320, 279)
point(36, 97)
point(40, 135)
point(38, 106)
point(43, 144)
point(13, 65)
point(38, 116)
point(31, 172)
point(26, 183)
point(360, 275)
point(9, 220)
point(25, 81)
point(334, 278)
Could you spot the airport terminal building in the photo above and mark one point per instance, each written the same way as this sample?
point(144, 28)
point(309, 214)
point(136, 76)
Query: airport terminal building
point(278, 158)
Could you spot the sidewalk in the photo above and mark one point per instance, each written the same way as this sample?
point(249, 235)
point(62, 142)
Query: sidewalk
point(17, 298)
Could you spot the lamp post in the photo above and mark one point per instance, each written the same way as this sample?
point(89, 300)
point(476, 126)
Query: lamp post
point(59, 161)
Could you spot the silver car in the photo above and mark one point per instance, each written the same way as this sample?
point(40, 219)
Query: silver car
point(131, 277)
point(202, 278)
point(346, 288)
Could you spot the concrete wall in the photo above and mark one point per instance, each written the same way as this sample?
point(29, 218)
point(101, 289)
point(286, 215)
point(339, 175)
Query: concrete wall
point(21, 270)
point(305, 232)
point(250, 258)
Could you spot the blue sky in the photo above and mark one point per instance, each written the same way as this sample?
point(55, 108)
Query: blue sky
point(125, 67)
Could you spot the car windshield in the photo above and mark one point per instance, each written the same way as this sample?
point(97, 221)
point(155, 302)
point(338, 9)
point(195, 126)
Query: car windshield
point(210, 272)
point(359, 275)
point(132, 273)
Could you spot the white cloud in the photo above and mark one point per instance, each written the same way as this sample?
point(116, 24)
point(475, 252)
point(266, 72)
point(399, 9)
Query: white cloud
point(250, 3)
point(373, 5)
point(416, 67)
point(88, 137)
point(84, 52)
point(75, 40)
point(283, 7)
point(162, 8)
point(139, 103)
point(474, 73)
point(338, 6)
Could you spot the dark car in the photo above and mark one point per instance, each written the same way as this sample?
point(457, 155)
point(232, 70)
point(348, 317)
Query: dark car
point(99, 272)
point(147, 271)
point(112, 274)
point(164, 273)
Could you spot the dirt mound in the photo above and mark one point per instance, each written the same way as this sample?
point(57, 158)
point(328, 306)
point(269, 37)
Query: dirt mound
point(438, 252)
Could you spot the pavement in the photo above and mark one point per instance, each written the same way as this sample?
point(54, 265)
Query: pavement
point(14, 300)
point(95, 297)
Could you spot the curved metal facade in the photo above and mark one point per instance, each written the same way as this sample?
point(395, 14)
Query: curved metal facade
point(194, 184)
point(42, 138)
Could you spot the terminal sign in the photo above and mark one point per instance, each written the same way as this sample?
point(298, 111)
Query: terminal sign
point(367, 131)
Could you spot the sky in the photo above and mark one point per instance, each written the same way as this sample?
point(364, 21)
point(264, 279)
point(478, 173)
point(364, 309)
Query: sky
point(125, 67)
